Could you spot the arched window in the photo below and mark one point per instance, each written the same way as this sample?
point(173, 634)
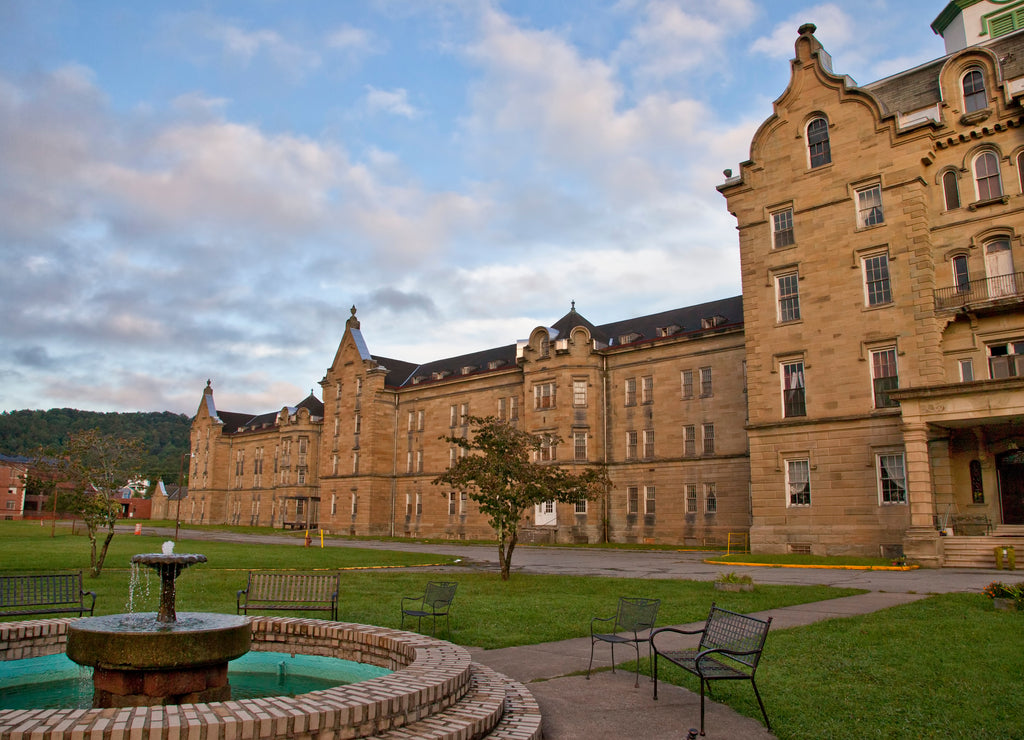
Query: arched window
point(986, 176)
point(817, 142)
point(961, 277)
point(974, 91)
point(950, 190)
point(1020, 170)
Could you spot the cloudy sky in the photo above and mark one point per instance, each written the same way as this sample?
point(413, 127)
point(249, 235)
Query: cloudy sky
point(194, 190)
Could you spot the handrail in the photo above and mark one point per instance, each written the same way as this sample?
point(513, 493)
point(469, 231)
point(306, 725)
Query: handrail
point(981, 290)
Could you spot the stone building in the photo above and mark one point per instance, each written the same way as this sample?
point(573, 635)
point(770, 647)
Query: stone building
point(879, 229)
point(657, 399)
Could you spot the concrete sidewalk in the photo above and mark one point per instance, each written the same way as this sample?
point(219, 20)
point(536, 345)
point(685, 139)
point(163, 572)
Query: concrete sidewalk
point(608, 705)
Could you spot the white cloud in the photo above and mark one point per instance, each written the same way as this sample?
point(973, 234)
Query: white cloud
point(836, 31)
point(395, 102)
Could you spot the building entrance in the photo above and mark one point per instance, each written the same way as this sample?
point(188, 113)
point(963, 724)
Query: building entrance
point(1011, 486)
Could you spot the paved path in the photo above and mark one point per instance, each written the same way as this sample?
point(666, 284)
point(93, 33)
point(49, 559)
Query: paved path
point(608, 707)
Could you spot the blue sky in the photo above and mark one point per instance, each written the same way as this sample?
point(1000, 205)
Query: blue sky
point(194, 190)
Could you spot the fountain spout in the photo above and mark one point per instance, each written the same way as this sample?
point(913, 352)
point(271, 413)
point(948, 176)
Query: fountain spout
point(169, 566)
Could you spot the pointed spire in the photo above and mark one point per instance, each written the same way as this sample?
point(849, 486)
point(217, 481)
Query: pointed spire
point(208, 390)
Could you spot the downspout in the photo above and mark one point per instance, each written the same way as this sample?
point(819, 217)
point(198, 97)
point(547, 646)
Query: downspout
point(394, 468)
point(604, 445)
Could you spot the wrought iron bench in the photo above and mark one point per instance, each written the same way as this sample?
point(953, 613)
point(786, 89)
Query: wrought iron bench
point(633, 616)
point(435, 602)
point(278, 591)
point(729, 650)
point(44, 593)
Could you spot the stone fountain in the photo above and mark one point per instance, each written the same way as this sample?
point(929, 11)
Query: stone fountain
point(159, 658)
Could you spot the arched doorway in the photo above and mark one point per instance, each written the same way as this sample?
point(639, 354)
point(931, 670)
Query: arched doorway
point(1010, 466)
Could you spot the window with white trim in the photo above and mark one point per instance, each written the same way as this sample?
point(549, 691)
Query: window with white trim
point(705, 383)
point(973, 86)
point(708, 435)
point(649, 494)
point(647, 389)
point(581, 506)
point(787, 294)
point(798, 482)
point(513, 408)
point(502, 412)
point(961, 276)
point(691, 498)
point(544, 396)
point(632, 500)
point(877, 289)
point(452, 498)
point(987, 179)
point(1006, 359)
point(884, 376)
point(579, 392)
point(453, 415)
point(631, 445)
point(689, 440)
point(710, 498)
point(966, 371)
point(869, 206)
point(686, 382)
point(547, 451)
point(794, 399)
point(629, 387)
point(579, 444)
point(648, 443)
point(951, 190)
point(892, 478)
point(464, 414)
point(782, 228)
point(818, 150)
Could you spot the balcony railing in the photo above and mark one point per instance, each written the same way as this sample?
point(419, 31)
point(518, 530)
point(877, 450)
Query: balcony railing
point(981, 291)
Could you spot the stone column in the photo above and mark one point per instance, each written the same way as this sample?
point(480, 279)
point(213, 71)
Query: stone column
point(921, 542)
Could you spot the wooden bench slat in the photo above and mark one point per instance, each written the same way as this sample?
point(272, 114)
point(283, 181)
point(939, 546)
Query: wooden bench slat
point(44, 593)
point(290, 592)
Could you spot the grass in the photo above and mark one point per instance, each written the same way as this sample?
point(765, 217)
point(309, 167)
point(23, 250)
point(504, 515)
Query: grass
point(945, 667)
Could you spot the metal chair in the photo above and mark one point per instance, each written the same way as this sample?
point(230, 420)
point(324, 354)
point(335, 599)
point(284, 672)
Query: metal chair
point(634, 616)
point(435, 602)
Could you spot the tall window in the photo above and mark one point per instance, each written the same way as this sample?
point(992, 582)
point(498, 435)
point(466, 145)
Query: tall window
point(548, 450)
point(632, 500)
point(877, 290)
point(798, 482)
point(986, 176)
point(705, 382)
point(464, 414)
point(709, 438)
point(631, 444)
point(974, 91)
point(782, 228)
point(787, 290)
point(951, 190)
point(961, 277)
point(892, 479)
point(648, 443)
point(630, 389)
point(689, 440)
point(502, 409)
point(649, 493)
point(869, 206)
point(581, 506)
point(686, 380)
point(647, 389)
point(691, 498)
point(544, 396)
point(579, 444)
point(579, 392)
point(794, 401)
point(710, 498)
point(966, 371)
point(1020, 171)
point(513, 408)
point(817, 142)
point(884, 376)
point(453, 415)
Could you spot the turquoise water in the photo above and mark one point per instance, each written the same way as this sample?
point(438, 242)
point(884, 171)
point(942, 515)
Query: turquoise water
point(55, 682)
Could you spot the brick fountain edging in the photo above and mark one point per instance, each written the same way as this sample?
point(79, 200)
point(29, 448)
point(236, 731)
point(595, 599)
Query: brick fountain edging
point(430, 676)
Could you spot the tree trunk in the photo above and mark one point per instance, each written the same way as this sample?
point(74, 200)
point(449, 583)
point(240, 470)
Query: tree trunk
point(97, 562)
point(506, 557)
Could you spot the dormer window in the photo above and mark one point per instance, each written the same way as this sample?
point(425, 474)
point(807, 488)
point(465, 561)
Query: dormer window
point(710, 322)
point(667, 331)
point(974, 91)
point(466, 370)
point(495, 364)
point(818, 148)
point(627, 338)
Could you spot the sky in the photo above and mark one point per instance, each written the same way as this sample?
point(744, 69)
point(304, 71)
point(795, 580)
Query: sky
point(201, 190)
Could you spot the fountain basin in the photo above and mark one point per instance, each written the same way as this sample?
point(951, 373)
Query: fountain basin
point(138, 660)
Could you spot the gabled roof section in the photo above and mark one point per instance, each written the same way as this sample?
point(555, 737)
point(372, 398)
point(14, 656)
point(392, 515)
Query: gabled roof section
point(312, 404)
point(488, 360)
point(571, 320)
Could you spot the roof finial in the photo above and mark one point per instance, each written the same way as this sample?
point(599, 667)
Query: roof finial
point(352, 322)
point(573, 305)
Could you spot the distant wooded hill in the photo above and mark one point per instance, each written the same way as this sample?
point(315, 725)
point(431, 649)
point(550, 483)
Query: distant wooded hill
point(164, 435)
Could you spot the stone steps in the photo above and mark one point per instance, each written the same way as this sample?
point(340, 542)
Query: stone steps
point(495, 707)
point(979, 552)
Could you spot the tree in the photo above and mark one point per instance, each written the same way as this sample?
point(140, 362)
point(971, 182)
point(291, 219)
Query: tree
point(95, 467)
point(505, 481)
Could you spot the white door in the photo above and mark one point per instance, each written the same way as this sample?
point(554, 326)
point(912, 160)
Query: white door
point(544, 515)
point(999, 268)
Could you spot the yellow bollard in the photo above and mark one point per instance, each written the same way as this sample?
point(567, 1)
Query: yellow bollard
point(1007, 553)
point(321, 539)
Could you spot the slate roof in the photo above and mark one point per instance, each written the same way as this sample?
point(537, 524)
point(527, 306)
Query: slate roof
point(918, 88)
point(234, 422)
point(683, 321)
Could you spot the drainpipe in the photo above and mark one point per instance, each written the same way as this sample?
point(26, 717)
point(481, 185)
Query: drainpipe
point(394, 468)
point(604, 445)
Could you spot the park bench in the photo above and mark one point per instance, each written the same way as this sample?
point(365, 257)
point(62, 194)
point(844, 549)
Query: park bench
point(436, 601)
point(44, 593)
point(281, 591)
point(729, 650)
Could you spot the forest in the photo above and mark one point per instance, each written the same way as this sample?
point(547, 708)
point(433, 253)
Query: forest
point(164, 435)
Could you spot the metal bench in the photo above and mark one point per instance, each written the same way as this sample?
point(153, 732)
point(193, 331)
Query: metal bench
point(290, 592)
point(633, 616)
point(44, 593)
point(435, 602)
point(729, 650)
